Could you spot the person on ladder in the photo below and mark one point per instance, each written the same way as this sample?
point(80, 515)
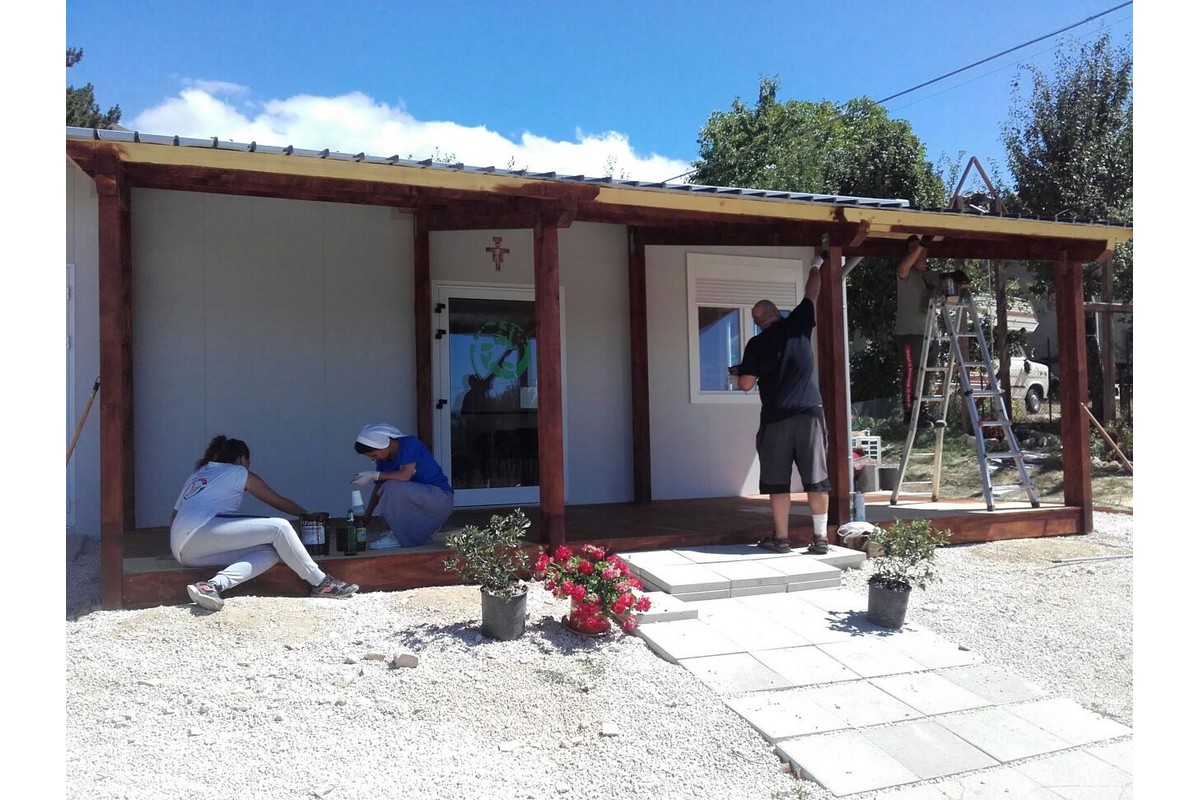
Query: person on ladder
point(792, 421)
point(914, 285)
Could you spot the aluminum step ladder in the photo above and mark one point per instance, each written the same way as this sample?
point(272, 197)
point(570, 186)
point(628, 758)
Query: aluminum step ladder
point(949, 322)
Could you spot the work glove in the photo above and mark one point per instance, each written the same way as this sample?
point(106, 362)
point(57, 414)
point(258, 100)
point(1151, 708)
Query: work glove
point(817, 262)
point(363, 478)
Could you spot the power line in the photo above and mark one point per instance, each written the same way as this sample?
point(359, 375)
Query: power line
point(1003, 53)
point(969, 66)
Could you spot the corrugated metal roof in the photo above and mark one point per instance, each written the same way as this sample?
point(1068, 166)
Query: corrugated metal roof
point(214, 143)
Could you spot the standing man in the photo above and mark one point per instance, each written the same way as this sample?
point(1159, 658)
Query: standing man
point(411, 491)
point(914, 284)
point(791, 427)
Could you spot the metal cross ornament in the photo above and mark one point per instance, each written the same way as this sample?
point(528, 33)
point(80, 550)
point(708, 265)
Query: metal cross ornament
point(497, 251)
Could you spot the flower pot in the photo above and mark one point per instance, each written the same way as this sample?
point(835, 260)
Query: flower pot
point(503, 616)
point(887, 607)
point(585, 621)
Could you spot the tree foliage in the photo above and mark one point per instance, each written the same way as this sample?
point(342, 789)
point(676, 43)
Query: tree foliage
point(852, 148)
point(1069, 141)
point(82, 109)
point(1070, 150)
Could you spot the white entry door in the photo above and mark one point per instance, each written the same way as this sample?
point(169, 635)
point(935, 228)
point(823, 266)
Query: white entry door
point(485, 411)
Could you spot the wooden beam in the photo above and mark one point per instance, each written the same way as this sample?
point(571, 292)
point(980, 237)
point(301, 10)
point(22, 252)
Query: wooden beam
point(1108, 368)
point(116, 373)
point(423, 329)
point(831, 360)
point(1072, 387)
point(549, 374)
point(1116, 308)
point(639, 366)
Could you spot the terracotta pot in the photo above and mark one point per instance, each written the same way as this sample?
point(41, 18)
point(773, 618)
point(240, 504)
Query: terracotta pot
point(596, 624)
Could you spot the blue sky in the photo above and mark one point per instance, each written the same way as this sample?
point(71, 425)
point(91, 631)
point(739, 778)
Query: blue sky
point(621, 87)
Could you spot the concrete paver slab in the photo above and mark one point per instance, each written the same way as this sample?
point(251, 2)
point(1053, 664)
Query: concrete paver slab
point(784, 714)
point(805, 666)
point(709, 554)
point(1119, 754)
point(712, 594)
point(836, 599)
point(746, 591)
point(1069, 721)
point(741, 574)
point(1002, 734)
point(994, 684)
point(640, 562)
point(927, 749)
point(932, 651)
point(685, 578)
point(920, 791)
point(871, 656)
point(753, 631)
point(990, 784)
point(860, 704)
point(1077, 775)
point(734, 673)
point(929, 693)
point(665, 608)
point(844, 762)
point(686, 638)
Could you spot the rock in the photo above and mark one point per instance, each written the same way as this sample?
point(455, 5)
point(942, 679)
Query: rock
point(609, 729)
point(510, 746)
point(344, 680)
point(194, 731)
point(561, 789)
point(405, 661)
point(323, 790)
point(350, 660)
point(373, 656)
point(585, 722)
point(565, 744)
point(149, 682)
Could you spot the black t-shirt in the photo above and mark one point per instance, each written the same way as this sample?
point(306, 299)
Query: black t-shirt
point(781, 357)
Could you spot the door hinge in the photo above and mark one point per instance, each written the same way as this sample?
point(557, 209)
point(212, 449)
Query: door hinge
point(439, 308)
point(440, 333)
point(441, 403)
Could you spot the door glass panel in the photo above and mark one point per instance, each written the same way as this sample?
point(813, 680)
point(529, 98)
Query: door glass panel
point(493, 372)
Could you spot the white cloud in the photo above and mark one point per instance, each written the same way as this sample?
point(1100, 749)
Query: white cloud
point(355, 123)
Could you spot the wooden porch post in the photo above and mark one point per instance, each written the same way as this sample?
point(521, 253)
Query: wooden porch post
point(831, 359)
point(1072, 387)
point(116, 374)
point(549, 375)
point(639, 365)
point(423, 333)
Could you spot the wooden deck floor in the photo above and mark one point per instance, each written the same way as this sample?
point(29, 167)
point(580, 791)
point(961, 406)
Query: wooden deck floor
point(152, 577)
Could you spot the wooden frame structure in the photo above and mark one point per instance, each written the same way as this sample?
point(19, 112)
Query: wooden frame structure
point(447, 198)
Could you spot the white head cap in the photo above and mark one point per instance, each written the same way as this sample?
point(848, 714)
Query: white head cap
point(378, 436)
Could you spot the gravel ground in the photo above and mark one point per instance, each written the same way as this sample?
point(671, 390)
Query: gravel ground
point(296, 698)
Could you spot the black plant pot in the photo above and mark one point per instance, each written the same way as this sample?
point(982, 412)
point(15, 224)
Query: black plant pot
point(887, 607)
point(503, 616)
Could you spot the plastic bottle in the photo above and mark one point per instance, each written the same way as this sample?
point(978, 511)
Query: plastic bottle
point(351, 534)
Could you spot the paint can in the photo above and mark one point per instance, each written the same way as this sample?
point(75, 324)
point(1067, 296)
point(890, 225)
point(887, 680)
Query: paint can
point(312, 533)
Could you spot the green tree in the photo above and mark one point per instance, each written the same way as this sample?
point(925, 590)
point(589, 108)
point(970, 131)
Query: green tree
point(1069, 141)
point(852, 148)
point(82, 109)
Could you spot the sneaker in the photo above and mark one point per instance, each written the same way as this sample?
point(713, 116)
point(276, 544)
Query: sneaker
point(775, 545)
point(385, 542)
point(819, 547)
point(205, 595)
point(332, 587)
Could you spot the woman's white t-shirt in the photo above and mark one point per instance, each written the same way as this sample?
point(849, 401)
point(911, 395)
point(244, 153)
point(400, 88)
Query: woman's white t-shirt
point(215, 488)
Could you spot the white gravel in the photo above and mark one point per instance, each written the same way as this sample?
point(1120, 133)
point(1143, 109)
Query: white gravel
point(296, 698)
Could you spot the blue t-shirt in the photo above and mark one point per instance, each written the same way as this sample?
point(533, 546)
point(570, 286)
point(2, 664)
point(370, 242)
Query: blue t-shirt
point(412, 450)
point(781, 358)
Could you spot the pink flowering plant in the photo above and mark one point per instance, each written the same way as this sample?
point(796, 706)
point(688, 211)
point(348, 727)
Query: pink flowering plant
point(598, 582)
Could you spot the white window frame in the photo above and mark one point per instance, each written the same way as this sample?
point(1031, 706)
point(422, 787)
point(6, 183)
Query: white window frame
point(745, 280)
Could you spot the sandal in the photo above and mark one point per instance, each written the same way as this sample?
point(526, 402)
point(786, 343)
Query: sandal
point(775, 545)
point(819, 547)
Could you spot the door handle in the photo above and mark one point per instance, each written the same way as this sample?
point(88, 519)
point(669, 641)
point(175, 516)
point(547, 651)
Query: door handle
point(441, 403)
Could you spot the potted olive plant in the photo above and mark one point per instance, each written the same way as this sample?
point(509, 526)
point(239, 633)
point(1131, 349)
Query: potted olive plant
point(492, 557)
point(906, 562)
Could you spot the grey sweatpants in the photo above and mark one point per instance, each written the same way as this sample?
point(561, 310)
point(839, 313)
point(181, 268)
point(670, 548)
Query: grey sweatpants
point(414, 511)
point(246, 547)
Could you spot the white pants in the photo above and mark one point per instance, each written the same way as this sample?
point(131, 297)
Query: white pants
point(246, 547)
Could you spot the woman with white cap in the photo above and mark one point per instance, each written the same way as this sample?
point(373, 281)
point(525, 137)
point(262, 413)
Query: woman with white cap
point(411, 491)
point(206, 533)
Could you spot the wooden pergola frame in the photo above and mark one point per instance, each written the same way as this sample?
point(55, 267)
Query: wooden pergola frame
point(447, 199)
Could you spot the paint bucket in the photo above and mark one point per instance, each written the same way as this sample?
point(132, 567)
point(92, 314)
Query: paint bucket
point(313, 534)
point(950, 287)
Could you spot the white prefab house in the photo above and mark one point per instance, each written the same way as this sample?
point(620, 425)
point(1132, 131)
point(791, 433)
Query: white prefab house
point(558, 342)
